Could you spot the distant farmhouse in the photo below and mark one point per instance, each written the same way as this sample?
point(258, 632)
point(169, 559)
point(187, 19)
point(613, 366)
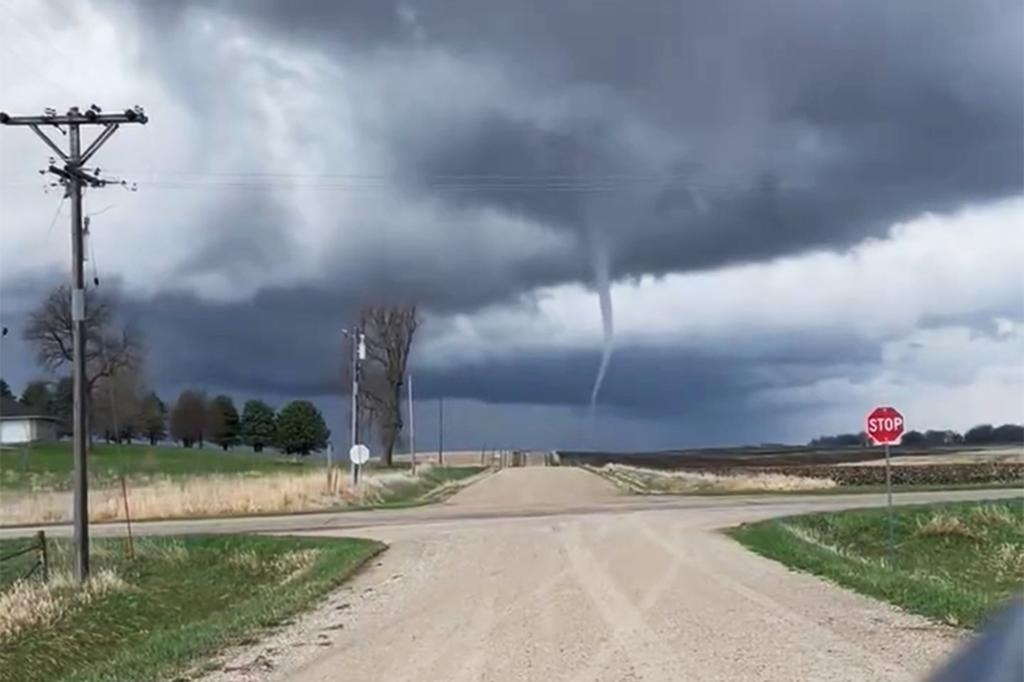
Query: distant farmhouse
point(23, 424)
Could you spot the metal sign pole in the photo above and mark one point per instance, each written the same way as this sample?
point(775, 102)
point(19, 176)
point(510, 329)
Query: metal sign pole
point(884, 426)
point(888, 494)
point(358, 456)
point(330, 467)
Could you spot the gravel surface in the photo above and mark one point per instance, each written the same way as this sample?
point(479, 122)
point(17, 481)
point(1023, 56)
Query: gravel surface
point(620, 595)
point(537, 487)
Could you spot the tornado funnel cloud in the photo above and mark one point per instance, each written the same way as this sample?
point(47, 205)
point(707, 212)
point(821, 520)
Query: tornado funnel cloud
point(604, 298)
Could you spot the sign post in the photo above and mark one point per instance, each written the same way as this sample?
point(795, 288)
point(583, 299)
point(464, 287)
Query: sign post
point(330, 468)
point(359, 455)
point(884, 426)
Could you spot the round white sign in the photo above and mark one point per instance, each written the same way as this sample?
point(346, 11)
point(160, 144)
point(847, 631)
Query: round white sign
point(359, 454)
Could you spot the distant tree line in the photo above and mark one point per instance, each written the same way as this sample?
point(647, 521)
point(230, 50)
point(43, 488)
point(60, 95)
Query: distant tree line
point(298, 428)
point(983, 434)
point(123, 411)
point(841, 440)
point(123, 408)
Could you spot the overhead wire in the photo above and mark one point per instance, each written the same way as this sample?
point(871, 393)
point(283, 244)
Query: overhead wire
point(466, 182)
point(56, 214)
point(752, 184)
point(91, 241)
point(437, 182)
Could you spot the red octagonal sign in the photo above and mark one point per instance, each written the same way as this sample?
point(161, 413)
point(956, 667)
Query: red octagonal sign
point(885, 425)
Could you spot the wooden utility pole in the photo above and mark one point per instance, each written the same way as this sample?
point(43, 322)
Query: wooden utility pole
point(74, 177)
point(358, 353)
point(412, 429)
point(440, 431)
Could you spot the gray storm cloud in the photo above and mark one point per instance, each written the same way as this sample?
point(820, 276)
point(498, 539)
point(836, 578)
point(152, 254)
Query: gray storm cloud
point(472, 160)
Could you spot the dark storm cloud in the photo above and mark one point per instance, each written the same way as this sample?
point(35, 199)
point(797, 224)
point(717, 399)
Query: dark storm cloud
point(688, 135)
point(642, 381)
point(271, 343)
point(262, 219)
point(798, 126)
point(648, 383)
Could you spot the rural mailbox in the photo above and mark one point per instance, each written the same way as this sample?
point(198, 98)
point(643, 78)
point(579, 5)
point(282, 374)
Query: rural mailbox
point(884, 425)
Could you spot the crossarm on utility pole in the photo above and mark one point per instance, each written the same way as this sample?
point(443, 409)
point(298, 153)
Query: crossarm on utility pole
point(49, 143)
point(88, 118)
point(98, 142)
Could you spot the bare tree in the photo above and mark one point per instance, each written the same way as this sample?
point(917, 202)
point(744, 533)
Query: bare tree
point(116, 406)
point(108, 347)
point(388, 333)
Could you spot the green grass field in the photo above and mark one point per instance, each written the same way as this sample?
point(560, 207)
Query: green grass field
point(48, 466)
point(951, 562)
point(165, 612)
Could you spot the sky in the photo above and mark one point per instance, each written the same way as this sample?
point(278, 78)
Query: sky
point(792, 211)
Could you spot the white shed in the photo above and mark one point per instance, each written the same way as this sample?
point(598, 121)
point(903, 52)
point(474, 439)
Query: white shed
point(21, 424)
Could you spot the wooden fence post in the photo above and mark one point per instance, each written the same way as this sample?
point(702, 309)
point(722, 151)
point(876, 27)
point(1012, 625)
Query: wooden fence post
point(44, 560)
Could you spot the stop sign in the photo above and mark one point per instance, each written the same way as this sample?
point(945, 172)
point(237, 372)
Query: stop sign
point(884, 425)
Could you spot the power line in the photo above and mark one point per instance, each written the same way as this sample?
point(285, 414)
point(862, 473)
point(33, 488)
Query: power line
point(480, 183)
point(454, 179)
point(56, 214)
point(477, 182)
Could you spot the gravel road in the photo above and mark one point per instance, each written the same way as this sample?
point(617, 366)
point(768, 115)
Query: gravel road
point(617, 595)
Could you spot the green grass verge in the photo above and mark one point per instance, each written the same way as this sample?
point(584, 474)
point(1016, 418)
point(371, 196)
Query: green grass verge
point(951, 562)
point(48, 466)
point(430, 486)
point(182, 599)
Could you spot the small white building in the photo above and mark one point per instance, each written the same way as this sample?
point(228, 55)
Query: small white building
point(21, 424)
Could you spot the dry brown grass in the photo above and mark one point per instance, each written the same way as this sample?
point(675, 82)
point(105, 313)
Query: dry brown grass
point(213, 495)
point(170, 551)
point(1008, 561)
point(288, 566)
point(247, 559)
point(941, 524)
point(293, 564)
point(993, 515)
point(643, 480)
point(28, 604)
